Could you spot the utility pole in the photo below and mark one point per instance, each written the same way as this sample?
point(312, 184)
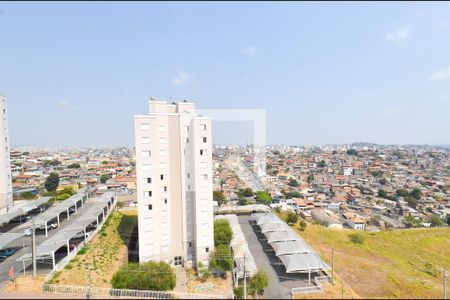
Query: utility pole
point(245, 281)
point(88, 294)
point(445, 283)
point(332, 266)
point(33, 249)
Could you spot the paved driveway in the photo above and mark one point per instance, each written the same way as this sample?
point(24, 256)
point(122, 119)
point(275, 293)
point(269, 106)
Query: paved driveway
point(280, 283)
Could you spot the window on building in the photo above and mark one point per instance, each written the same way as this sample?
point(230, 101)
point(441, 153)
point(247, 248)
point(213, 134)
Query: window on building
point(162, 140)
point(202, 126)
point(146, 154)
point(145, 140)
point(204, 139)
point(165, 201)
point(161, 128)
point(145, 126)
point(187, 140)
point(162, 176)
point(147, 193)
point(150, 206)
point(207, 249)
point(148, 179)
point(162, 152)
point(165, 189)
point(205, 176)
point(162, 165)
point(202, 151)
point(146, 167)
point(190, 244)
point(188, 175)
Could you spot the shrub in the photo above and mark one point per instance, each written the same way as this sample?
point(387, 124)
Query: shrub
point(222, 232)
point(221, 258)
point(156, 276)
point(356, 238)
point(291, 218)
point(302, 225)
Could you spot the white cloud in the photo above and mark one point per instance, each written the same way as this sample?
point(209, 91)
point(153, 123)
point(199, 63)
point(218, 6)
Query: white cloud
point(398, 35)
point(441, 74)
point(181, 79)
point(249, 50)
point(66, 105)
point(388, 112)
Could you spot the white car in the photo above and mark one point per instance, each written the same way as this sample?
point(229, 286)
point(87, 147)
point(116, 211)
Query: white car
point(28, 232)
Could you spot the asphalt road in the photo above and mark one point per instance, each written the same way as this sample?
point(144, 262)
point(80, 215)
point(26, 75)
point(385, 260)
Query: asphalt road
point(280, 283)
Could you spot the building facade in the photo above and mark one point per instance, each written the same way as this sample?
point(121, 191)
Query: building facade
point(6, 199)
point(174, 184)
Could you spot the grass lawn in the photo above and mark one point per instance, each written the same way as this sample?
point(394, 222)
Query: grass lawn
point(104, 254)
point(404, 263)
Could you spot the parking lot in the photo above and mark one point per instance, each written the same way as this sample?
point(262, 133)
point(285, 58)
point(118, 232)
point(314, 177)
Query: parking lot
point(22, 245)
point(280, 283)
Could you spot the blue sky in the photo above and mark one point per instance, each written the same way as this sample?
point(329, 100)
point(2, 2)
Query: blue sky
point(76, 73)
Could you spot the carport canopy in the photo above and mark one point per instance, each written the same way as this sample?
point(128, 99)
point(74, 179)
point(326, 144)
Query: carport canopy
point(6, 238)
point(54, 211)
point(22, 209)
point(273, 227)
point(304, 262)
point(291, 247)
point(281, 236)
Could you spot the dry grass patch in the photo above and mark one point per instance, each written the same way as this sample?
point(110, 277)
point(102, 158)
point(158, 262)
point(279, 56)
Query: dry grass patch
point(388, 264)
point(104, 254)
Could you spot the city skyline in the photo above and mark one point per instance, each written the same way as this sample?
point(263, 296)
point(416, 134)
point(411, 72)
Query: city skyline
point(79, 83)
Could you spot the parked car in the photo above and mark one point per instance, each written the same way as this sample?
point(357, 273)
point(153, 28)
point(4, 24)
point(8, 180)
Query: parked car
point(4, 253)
point(20, 219)
point(28, 232)
point(81, 235)
point(50, 226)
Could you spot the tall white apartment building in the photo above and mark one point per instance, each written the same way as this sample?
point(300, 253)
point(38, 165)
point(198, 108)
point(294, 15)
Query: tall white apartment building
point(6, 199)
point(174, 184)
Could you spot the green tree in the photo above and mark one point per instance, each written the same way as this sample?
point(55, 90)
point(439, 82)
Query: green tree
point(51, 183)
point(410, 221)
point(219, 197)
point(412, 202)
point(105, 162)
point(263, 197)
point(402, 193)
point(321, 164)
point(302, 225)
point(352, 152)
point(310, 178)
point(416, 193)
point(382, 193)
point(294, 194)
point(222, 182)
point(448, 220)
point(104, 178)
point(291, 218)
point(257, 283)
point(223, 234)
point(293, 183)
point(377, 174)
point(436, 221)
point(155, 276)
point(74, 166)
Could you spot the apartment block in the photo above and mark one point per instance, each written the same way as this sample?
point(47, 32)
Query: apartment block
point(174, 184)
point(6, 199)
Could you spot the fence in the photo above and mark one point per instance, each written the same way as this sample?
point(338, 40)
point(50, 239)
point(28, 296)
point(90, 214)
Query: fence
point(317, 288)
point(120, 293)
